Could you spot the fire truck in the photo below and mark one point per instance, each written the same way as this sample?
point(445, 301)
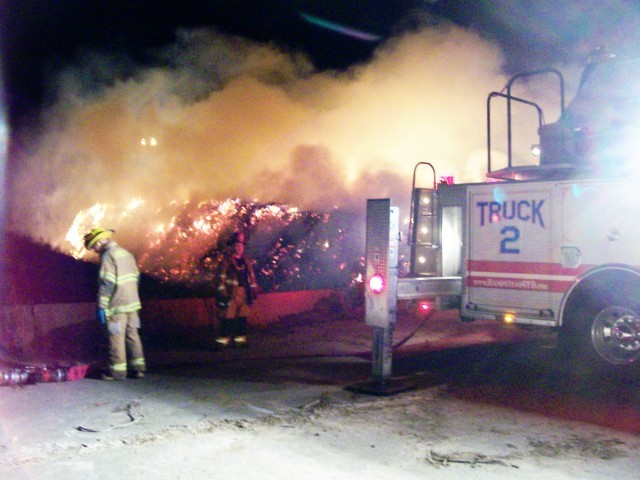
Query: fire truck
point(552, 244)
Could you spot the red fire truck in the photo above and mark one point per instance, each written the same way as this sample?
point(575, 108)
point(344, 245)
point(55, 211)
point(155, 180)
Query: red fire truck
point(555, 244)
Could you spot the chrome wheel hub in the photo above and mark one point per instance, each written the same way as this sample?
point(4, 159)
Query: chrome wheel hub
point(615, 334)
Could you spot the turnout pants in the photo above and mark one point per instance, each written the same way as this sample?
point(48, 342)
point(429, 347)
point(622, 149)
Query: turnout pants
point(233, 320)
point(125, 346)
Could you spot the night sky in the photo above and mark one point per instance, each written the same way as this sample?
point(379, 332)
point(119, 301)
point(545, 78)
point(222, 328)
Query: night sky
point(40, 37)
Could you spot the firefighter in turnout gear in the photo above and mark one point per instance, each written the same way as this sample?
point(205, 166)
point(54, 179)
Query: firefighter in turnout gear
point(236, 291)
point(118, 305)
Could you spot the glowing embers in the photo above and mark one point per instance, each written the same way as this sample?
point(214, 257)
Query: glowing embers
point(183, 243)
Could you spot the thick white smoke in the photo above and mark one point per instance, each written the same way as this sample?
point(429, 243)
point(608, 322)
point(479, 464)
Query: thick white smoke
point(234, 119)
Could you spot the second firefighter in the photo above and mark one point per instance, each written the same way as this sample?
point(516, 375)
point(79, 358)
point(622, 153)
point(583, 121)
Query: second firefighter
point(236, 291)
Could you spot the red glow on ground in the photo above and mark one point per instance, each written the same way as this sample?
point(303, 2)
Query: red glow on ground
point(595, 411)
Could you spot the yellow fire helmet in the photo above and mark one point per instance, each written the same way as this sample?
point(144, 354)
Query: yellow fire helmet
point(95, 235)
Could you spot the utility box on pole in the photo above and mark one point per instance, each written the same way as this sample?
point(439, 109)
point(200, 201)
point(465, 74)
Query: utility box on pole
point(382, 242)
point(382, 263)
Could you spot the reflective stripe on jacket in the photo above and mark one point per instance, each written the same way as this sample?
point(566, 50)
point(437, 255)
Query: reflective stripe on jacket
point(118, 281)
point(236, 273)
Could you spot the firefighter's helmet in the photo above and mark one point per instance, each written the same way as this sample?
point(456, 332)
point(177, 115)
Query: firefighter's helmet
point(237, 237)
point(95, 235)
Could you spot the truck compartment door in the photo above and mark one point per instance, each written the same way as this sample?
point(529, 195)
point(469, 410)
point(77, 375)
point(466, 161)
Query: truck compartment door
point(509, 249)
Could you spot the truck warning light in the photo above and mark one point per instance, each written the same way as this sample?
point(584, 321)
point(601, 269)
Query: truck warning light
point(376, 283)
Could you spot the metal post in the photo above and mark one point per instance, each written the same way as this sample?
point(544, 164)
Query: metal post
point(383, 232)
point(381, 356)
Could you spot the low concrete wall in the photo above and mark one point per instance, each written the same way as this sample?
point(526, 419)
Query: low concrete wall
point(22, 325)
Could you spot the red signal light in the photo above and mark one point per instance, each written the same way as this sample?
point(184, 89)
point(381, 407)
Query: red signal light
point(376, 283)
point(424, 307)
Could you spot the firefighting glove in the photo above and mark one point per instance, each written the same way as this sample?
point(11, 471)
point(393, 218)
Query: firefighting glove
point(101, 316)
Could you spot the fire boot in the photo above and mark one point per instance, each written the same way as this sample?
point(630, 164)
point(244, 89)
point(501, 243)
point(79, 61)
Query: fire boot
point(240, 334)
point(240, 341)
point(223, 342)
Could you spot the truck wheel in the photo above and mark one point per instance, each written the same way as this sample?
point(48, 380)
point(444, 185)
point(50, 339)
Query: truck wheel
point(602, 338)
point(601, 319)
point(615, 334)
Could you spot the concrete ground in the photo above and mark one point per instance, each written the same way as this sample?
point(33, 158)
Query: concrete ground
point(289, 391)
point(187, 383)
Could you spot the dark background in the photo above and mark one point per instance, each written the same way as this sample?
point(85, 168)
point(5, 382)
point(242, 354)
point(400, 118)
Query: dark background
point(39, 37)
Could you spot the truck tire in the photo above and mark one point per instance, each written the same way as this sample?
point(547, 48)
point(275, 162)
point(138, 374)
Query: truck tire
point(605, 336)
point(601, 319)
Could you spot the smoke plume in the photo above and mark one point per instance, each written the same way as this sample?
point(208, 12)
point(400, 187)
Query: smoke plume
point(227, 118)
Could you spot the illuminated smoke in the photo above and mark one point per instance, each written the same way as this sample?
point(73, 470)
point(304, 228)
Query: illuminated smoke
point(157, 155)
point(232, 119)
